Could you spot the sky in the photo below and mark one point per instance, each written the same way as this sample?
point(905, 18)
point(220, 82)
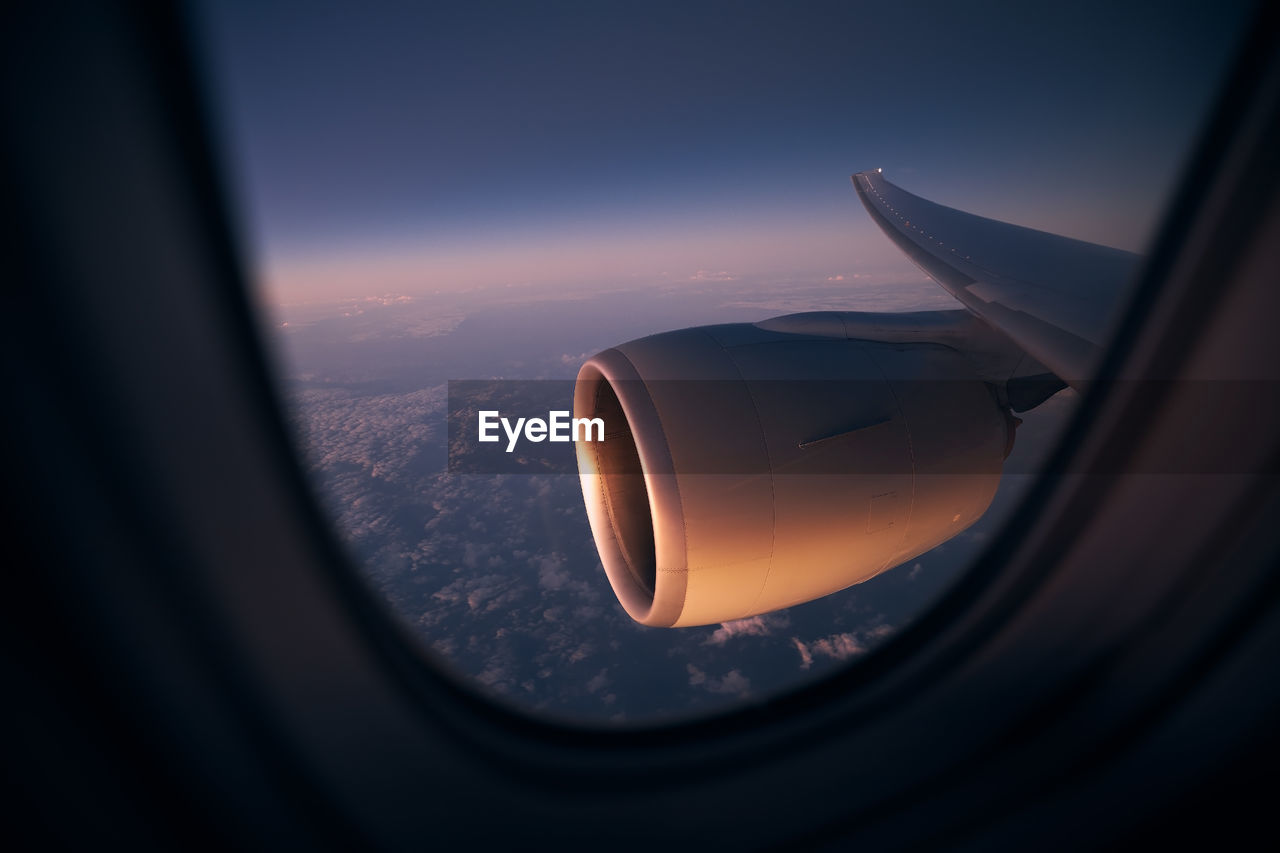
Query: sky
point(416, 147)
point(430, 192)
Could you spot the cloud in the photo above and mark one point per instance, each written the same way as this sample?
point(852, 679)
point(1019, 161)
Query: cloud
point(881, 291)
point(753, 626)
point(806, 656)
point(836, 647)
point(708, 275)
point(471, 554)
point(732, 682)
point(496, 676)
point(552, 573)
point(915, 571)
point(598, 681)
point(373, 318)
point(879, 632)
point(483, 594)
point(390, 299)
point(839, 646)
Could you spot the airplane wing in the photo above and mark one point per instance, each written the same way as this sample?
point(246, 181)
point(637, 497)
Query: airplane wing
point(1052, 296)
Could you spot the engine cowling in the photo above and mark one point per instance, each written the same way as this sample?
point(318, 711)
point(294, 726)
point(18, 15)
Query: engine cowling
point(745, 470)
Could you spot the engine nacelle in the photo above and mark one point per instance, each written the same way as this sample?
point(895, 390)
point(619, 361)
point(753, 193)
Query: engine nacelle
point(746, 469)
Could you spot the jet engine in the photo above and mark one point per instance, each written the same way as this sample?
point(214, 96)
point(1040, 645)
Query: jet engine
point(750, 467)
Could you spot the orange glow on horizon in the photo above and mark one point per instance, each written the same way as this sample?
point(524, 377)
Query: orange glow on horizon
point(713, 254)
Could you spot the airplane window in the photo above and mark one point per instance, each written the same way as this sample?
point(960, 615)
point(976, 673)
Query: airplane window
point(453, 210)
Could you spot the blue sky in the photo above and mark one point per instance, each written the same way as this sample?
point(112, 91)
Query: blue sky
point(428, 146)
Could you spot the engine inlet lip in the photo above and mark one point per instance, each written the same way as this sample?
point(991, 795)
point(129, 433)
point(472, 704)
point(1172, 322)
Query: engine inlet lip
point(661, 605)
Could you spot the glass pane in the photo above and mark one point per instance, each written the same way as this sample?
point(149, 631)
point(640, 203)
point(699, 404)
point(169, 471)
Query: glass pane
point(479, 192)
